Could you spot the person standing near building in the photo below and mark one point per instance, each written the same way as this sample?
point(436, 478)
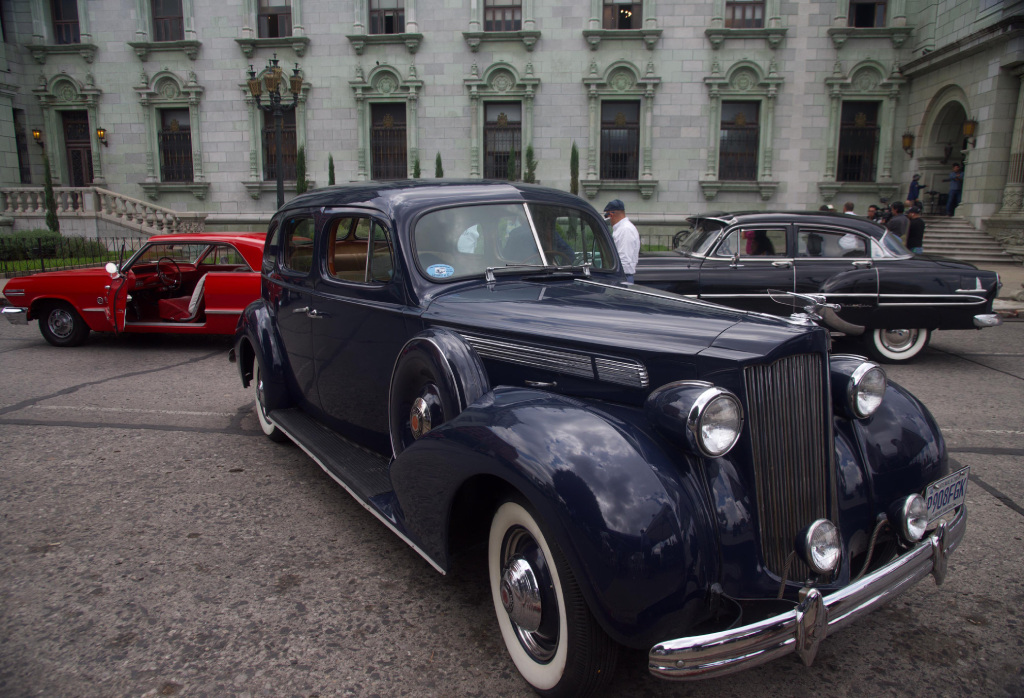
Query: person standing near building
point(899, 223)
point(915, 231)
point(956, 185)
point(873, 214)
point(848, 208)
point(914, 192)
point(625, 235)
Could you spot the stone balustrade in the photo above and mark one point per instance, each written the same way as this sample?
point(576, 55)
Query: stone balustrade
point(99, 204)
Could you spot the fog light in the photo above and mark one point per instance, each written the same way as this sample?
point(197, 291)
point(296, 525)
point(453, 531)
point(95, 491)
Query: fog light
point(819, 546)
point(911, 518)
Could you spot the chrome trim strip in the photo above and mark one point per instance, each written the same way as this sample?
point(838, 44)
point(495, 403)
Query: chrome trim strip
point(622, 371)
point(730, 651)
point(14, 292)
point(987, 320)
point(964, 304)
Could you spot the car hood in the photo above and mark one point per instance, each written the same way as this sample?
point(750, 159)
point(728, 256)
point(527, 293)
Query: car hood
point(610, 317)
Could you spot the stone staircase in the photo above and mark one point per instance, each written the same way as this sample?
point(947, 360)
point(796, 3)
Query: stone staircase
point(955, 237)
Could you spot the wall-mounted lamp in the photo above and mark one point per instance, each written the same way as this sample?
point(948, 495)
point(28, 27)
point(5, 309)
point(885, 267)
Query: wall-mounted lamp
point(970, 128)
point(37, 136)
point(908, 143)
point(101, 134)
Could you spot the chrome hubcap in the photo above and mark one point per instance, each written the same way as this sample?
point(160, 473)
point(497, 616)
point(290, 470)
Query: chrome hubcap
point(60, 323)
point(419, 418)
point(898, 340)
point(520, 595)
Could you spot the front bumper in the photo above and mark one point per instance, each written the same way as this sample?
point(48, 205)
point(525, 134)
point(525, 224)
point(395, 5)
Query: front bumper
point(802, 629)
point(16, 316)
point(987, 320)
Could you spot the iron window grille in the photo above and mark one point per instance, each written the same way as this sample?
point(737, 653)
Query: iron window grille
point(503, 15)
point(168, 20)
point(620, 140)
point(858, 142)
point(175, 140)
point(387, 16)
point(503, 134)
point(274, 19)
point(289, 149)
point(744, 14)
point(866, 14)
point(388, 142)
point(65, 22)
point(738, 139)
point(623, 14)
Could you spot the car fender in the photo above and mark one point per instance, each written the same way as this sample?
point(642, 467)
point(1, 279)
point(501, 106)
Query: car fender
point(630, 517)
point(257, 339)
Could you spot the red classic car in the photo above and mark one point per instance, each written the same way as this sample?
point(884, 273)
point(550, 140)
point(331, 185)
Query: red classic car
point(196, 283)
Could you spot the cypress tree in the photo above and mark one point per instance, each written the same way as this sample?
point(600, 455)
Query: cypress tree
point(330, 170)
point(574, 169)
point(49, 202)
point(438, 170)
point(301, 183)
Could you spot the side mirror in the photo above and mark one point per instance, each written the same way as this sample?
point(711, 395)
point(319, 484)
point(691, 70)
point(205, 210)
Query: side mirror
point(112, 269)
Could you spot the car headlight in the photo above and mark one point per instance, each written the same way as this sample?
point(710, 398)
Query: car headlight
point(710, 419)
point(819, 546)
point(910, 518)
point(866, 389)
point(715, 420)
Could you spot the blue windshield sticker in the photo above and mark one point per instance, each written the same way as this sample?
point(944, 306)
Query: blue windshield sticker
point(440, 271)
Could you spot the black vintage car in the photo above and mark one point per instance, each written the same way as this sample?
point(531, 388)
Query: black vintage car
point(899, 297)
point(644, 469)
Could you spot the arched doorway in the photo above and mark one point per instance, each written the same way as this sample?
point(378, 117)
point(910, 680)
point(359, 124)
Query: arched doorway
point(943, 144)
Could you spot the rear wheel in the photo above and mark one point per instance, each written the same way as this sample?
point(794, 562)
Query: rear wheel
point(553, 639)
point(268, 427)
point(894, 346)
point(62, 326)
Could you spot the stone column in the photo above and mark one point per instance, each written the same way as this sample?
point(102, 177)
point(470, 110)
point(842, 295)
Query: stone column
point(714, 128)
point(767, 129)
point(1013, 192)
point(474, 132)
point(647, 133)
point(594, 104)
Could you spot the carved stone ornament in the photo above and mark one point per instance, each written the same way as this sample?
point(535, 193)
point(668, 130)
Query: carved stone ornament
point(502, 82)
point(66, 92)
point(621, 80)
point(743, 80)
point(865, 80)
point(168, 89)
point(386, 84)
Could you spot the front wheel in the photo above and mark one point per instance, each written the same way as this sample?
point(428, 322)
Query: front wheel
point(62, 326)
point(268, 427)
point(553, 639)
point(894, 346)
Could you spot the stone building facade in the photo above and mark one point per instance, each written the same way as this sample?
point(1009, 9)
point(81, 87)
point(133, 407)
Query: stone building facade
point(675, 107)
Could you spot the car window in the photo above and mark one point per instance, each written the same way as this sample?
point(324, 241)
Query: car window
point(753, 242)
point(183, 253)
point(297, 244)
point(698, 240)
point(223, 255)
point(349, 240)
point(457, 243)
point(271, 249)
point(830, 244)
point(890, 246)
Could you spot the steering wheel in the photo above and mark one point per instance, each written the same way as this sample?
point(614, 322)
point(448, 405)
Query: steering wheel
point(171, 279)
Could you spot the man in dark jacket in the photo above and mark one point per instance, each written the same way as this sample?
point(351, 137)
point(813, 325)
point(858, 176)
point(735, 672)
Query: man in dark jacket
point(915, 231)
point(899, 223)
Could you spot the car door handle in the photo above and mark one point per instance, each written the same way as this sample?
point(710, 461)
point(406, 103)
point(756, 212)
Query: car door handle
point(734, 265)
point(304, 309)
point(782, 265)
point(316, 314)
point(861, 264)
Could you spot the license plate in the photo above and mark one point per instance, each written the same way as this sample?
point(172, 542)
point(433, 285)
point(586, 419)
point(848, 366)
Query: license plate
point(946, 494)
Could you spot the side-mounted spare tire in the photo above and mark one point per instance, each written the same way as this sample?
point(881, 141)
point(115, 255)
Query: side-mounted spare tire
point(436, 376)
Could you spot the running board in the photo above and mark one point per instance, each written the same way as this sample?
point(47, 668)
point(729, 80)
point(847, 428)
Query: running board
point(362, 473)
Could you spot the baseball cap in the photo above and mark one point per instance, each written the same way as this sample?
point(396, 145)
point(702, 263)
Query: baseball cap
point(614, 205)
point(913, 209)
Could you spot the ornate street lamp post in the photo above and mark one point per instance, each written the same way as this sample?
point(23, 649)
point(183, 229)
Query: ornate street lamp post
point(272, 78)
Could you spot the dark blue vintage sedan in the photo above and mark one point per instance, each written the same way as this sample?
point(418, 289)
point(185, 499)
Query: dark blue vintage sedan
point(645, 470)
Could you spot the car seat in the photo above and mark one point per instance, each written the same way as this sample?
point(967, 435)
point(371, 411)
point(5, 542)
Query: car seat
point(183, 309)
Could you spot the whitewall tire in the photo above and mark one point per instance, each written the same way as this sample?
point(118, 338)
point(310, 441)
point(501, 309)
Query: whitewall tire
point(268, 427)
point(552, 638)
point(894, 346)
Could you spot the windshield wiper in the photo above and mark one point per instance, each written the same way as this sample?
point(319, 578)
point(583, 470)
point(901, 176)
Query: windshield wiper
point(541, 269)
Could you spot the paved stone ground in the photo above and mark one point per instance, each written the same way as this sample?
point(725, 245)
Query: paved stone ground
point(154, 543)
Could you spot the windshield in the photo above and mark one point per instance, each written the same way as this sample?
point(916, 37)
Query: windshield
point(181, 252)
point(699, 239)
point(463, 242)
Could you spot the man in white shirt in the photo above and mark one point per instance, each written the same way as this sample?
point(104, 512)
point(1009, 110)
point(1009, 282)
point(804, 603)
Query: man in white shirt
point(625, 235)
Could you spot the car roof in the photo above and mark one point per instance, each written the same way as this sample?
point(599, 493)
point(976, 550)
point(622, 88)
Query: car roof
point(805, 217)
point(417, 194)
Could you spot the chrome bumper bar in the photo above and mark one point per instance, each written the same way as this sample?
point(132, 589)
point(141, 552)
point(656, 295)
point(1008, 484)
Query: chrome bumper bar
point(802, 629)
point(16, 316)
point(988, 320)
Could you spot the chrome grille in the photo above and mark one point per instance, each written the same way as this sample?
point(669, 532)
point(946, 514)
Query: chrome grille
point(791, 435)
